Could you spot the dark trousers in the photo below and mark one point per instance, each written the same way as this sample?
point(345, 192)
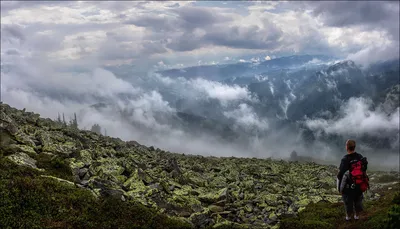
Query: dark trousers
point(353, 201)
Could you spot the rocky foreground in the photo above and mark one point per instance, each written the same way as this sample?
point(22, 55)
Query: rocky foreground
point(203, 191)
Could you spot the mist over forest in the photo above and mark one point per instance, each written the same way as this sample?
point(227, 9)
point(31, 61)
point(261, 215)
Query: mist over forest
point(206, 92)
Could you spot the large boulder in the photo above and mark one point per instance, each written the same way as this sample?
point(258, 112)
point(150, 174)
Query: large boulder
point(23, 159)
point(213, 197)
point(201, 220)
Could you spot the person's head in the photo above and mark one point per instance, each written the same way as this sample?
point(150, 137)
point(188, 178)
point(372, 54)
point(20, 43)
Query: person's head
point(350, 146)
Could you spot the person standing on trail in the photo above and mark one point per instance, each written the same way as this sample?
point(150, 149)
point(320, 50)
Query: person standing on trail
point(352, 180)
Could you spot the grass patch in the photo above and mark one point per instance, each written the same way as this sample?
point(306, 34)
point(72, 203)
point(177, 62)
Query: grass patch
point(386, 178)
point(382, 213)
point(30, 201)
point(316, 215)
point(379, 214)
point(54, 166)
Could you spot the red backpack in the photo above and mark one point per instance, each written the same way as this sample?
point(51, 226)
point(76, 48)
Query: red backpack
point(358, 173)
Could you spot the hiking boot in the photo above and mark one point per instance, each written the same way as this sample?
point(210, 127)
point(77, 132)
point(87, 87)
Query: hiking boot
point(356, 217)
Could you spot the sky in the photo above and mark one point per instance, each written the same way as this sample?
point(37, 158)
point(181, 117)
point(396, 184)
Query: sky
point(183, 33)
point(54, 57)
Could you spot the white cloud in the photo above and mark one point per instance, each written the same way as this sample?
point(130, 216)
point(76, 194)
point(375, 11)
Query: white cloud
point(99, 82)
point(375, 53)
point(289, 28)
point(33, 101)
point(314, 61)
point(220, 91)
point(57, 51)
point(59, 15)
point(247, 118)
point(262, 6)
point(357, 119)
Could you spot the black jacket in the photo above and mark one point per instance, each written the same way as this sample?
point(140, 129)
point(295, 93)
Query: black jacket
point(345, 165)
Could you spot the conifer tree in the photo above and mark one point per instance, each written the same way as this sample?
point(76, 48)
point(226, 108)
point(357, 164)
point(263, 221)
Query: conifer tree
point(59, 118)
point(96, 128)
point(75, 122)
point(64, 122)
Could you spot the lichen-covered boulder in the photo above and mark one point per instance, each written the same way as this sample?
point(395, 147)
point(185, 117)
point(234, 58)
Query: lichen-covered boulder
point(7, 124)
point(23, 159)
point(213, 197)
point(207, 191)
point(24, 139)
point(202, 220)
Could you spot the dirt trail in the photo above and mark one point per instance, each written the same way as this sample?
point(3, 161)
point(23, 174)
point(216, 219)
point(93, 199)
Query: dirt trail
point(386, 191)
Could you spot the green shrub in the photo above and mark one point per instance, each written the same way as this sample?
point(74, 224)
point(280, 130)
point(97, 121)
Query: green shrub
point(318, 215)
point(384, 213)
point(393, 221)
point(30, 201)
point(54, 165)
point(396, 198)
point(386, 178)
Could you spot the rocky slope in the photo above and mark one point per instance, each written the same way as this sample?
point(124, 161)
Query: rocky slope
point(204, 191)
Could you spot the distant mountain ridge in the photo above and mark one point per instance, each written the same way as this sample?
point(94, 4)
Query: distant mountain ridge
point(224, 71)
point(288, 91)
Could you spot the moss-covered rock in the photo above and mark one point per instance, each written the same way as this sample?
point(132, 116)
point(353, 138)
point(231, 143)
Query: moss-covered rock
point(207, 191)
point(23, 159)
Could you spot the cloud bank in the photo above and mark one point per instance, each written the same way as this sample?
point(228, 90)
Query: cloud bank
point(145, 33)
point(54, 57)
point(357, 118)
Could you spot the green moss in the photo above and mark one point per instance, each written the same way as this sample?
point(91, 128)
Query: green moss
point(24, 139)
point(228, 225)
point(108, 166)
point(393, 220)
point(26, 149)
point(212, 197)
point(23, 159)
point(386, 178)
point(50, 148)
point(316, 215)
point(54, 165)
point(59, 148)
point(33, 201)
point(85, 156)
point(247, 190)
point(382, 213)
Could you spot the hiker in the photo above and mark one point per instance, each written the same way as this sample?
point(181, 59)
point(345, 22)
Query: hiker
point(352, 180)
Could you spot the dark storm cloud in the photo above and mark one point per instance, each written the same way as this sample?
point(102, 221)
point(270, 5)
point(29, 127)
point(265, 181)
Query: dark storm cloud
point(154, 22)
point(12, 31)
point(214, 30)
point(12, 52)
point(12, 5)
point(247, 37)
point(194, 17)
point(369, 14)
point(113, 50)
point(186, 42)
point(184, 19)
point(182, 27)
point(345, 13)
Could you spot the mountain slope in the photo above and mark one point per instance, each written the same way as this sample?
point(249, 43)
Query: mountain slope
point(201, 191)
point(228, 71)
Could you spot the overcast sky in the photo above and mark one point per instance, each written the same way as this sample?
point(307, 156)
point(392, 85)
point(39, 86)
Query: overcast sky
point(184, 33)
point(53, 56)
